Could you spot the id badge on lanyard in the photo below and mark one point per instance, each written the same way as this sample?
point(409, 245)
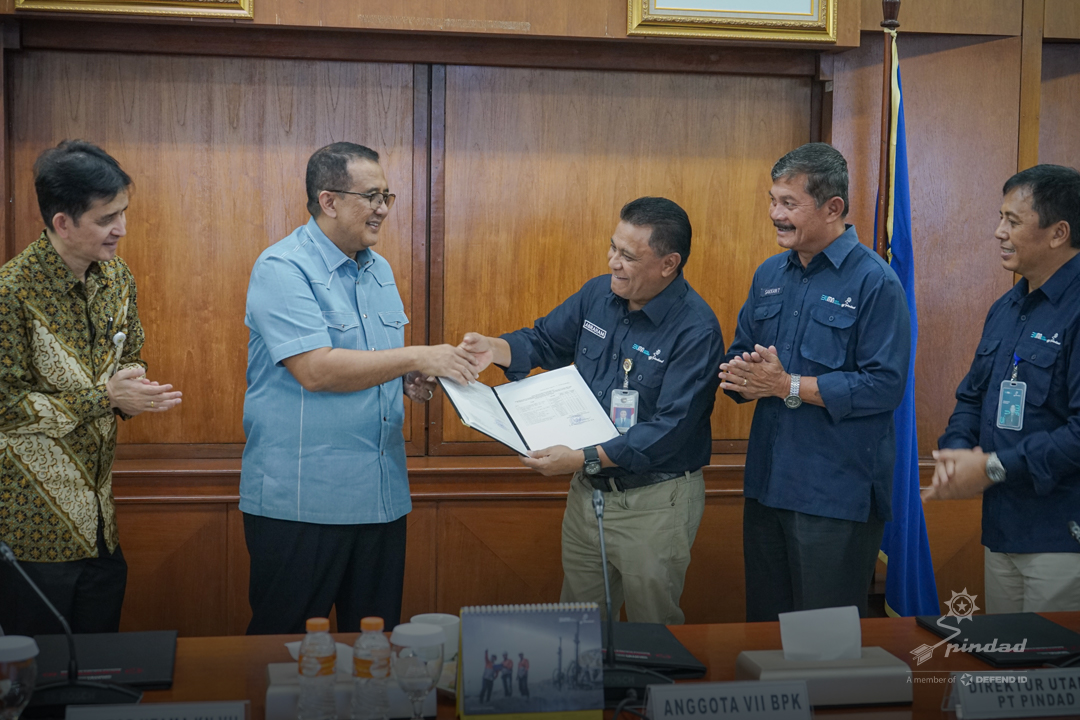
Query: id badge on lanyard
point(624, 402)
point(1010, 410)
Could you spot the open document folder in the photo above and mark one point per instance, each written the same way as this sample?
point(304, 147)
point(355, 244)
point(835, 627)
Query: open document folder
point(553, 408)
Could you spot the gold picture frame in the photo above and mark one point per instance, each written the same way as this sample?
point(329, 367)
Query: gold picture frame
point(230, 9)
point(802, 21)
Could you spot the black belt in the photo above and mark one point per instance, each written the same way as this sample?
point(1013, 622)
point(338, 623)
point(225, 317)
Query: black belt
point(629, 482)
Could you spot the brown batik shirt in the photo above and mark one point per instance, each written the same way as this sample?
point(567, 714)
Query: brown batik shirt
point(57, 429)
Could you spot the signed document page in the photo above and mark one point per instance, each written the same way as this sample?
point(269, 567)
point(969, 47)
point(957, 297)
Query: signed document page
point(480, 409)
point(556, 408)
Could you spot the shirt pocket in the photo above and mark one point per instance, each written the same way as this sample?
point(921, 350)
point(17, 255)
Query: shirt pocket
point(766, 324)
point(394, 322)
point(983, 363)
point(343, 327)
point(825, 340)
point(1037, 361)
point(648, 373)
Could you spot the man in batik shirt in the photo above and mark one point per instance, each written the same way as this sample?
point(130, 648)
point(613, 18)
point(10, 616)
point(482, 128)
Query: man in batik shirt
point(69, 364)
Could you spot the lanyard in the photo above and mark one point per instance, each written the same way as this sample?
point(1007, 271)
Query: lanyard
point(627, 364)
point(1016, 367)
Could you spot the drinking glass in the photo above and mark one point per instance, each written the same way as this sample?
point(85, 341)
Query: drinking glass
point(18, 673)
point(416, 657)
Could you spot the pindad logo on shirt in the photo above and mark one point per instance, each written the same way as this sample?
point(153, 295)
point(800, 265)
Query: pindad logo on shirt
point(597, 331)
point(1052, 340)
point(651, 355)
point(846, 304)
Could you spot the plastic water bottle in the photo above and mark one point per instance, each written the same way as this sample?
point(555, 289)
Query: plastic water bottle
point(371, 666)
point(318, 653)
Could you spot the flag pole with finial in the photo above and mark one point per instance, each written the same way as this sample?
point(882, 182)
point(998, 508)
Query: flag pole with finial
point(890, 10)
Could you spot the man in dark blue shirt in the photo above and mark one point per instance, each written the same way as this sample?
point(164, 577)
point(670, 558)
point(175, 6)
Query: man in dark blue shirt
point(822, 344)
point(644, 329)
point(1015, 433)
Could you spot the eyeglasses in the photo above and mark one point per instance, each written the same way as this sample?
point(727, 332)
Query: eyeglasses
point(376, 199)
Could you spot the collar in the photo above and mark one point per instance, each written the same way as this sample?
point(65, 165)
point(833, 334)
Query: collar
point(1054, 287)
point(836, 251)
point(659, 306)
point(329, 252)
point(57, 273)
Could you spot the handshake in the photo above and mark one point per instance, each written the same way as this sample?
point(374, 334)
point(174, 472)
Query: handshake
point(462, 363)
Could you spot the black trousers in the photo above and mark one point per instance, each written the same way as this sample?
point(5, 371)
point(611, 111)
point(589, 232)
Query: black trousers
point(88, 593)
point(302, 570)
point(796, 561)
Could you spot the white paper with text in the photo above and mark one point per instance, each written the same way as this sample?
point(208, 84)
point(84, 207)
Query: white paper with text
point(556, 408)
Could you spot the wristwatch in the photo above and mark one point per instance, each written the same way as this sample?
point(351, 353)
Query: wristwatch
point(793, 400)
point(592, 460)
point(994, 469)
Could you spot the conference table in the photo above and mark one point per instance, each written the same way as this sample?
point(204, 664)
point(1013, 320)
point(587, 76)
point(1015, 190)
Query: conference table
point(234, 668)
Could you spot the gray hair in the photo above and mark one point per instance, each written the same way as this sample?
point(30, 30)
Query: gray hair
point(825, 170)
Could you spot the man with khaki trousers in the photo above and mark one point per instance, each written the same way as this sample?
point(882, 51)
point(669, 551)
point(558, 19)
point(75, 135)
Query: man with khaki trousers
point(643, 339)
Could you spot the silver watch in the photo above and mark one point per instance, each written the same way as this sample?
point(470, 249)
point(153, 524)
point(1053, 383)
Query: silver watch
point(793, 400)
point(994, 469)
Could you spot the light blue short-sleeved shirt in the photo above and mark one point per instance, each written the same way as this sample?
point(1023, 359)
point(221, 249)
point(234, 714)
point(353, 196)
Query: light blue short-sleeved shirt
point(325, 457)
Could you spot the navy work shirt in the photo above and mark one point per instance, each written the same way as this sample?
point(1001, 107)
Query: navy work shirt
point(1030, 510)
point(675, 345)
point(844, 320)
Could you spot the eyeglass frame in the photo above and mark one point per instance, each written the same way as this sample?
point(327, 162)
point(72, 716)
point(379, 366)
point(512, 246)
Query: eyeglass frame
point(387, 198)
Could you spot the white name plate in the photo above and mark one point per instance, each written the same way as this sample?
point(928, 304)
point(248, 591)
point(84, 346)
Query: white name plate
point(1017, 694)
point(786, 700)
point(236, 710)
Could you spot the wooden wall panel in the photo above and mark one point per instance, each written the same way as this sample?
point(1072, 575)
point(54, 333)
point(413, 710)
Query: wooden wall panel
point(177, 567)
point(598, 19)
point(499, 553)
point(954, 529)
point(955, 17)
point(962, 146)
point(538, 164)
point(421, 565)
point(1061, 20)
point(217, 148)
point(715, 590)
point(1059, 125)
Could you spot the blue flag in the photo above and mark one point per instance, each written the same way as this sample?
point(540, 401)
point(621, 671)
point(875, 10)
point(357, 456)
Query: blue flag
point(909, 585)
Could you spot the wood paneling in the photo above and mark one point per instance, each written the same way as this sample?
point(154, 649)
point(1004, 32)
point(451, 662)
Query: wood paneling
point(1031, 54)
point(954, 529)
point(499, 553)
point(960, 151)
point(1062, 20)
point(177, 567)
point(715, 590)
point(217, 149)
point(955, 17)
point(538, 164)
point(421, 565)
point(598, 19)
point(1059, 127)
point(482, 531)
point(290, 43)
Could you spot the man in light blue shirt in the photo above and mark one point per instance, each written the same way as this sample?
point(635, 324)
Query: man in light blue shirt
point(324, 489)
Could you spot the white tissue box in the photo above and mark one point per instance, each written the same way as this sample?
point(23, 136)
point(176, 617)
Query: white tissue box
point(877, 678)
point(283, 692)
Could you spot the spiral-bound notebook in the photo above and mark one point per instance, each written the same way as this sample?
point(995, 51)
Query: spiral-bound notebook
point(520, 661)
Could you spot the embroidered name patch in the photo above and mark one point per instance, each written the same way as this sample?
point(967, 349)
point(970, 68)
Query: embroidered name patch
point(597, 331)
point(767, 292)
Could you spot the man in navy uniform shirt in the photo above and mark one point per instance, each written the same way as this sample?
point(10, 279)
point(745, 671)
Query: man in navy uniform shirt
point(1015, 433)
point(822, 344)
point(643, 316)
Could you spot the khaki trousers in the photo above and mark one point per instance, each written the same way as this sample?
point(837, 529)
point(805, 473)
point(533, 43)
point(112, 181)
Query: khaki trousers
point(648, 532)
point(1032, 582)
